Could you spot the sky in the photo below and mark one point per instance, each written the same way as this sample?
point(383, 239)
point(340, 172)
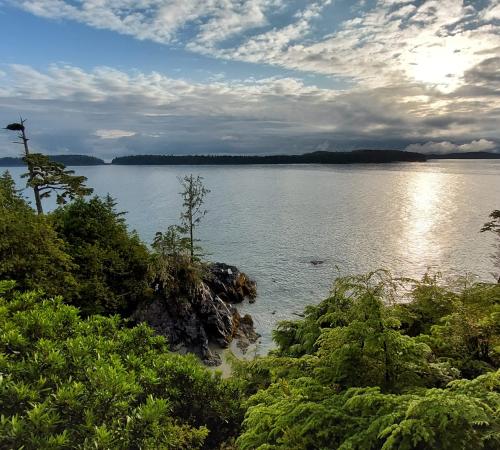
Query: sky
point(120, 77)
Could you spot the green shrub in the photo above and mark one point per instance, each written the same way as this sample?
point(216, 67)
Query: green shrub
point(31, 252)
point(362, 371)
point(111, 262)
point(94, 383)
point(305, 414)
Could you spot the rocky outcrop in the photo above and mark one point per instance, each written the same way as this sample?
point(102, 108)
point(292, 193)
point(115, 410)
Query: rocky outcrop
point(230, 284)
point(245, 333)
point(206, 316)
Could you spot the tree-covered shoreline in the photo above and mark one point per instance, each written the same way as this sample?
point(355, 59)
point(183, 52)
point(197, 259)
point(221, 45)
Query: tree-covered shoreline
point(381, 363)
point(67, 160)
point(320, 157)
point(354, 157)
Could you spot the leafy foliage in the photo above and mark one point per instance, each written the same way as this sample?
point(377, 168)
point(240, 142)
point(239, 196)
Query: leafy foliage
point(94, 383)
point(112, 263)
point(362, 371)
point(302, 413)
point(48, 177)
point(469, 337)
point(173, 271)
point(382, 363)
point(30, 250)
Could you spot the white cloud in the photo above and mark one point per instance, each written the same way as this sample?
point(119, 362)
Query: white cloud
point(113, 134)
point(263, 46)
point(479, 145)
point(492, 12)
point(433, 42)
point(70, 104)
point(159, 20)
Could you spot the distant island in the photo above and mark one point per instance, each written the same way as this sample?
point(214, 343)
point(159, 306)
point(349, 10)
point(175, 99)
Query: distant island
point(466, 155)
point(356, 156)
point(320, 157)
point(67, 160)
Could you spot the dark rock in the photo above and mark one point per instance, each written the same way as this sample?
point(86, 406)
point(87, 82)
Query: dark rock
point(317, 262)
point(246, 333)
point(205, 316)
point(230, 284)
point(213, 360)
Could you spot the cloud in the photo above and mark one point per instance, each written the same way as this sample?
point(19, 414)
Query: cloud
point(67, 104)
point(159, 20)
point(392, 42)
point(265, 44)
point(486, 74)
point(492, 12)
point(479, 145)
point(114, 134)
point(432, 42)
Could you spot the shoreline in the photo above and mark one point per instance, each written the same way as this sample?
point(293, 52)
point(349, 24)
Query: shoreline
point(231, 353)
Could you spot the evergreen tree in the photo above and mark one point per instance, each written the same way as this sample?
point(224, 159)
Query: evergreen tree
point(111, 262)
point(193, 196)
point(348, 376)
point(45, 176)
point(173, 271)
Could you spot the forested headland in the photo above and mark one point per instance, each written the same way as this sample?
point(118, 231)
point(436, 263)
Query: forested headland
point(321, 157)
point(67, 160)
point(356, 156)
point(381, 363)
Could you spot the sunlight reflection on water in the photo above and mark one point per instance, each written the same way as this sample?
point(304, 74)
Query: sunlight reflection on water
point(424, 210)
point(271, 221)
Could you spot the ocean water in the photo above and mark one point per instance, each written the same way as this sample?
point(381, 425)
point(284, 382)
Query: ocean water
point(272, 221)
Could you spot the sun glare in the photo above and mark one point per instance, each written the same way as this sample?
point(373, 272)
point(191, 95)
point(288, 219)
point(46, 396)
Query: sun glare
point(442, 66)
point(423, 193)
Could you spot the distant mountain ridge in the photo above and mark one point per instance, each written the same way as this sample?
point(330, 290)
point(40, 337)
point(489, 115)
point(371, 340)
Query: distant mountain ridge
point(67, 160)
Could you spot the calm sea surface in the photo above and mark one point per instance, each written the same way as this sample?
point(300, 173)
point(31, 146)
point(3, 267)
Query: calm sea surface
point(271, 221)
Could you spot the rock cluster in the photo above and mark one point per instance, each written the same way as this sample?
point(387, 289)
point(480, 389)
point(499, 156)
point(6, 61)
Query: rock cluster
point(206, 316)
point(229, 284)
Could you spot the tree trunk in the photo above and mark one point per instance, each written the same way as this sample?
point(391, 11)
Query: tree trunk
point(387, 376)
point(38, 200)
point(191, 240)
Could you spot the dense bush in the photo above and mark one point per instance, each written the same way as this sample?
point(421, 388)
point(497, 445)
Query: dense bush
point(31, 252)
point(112, 263)
point(94, 383)
point(82, 251)
point(302, 413)
point(362, 371)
